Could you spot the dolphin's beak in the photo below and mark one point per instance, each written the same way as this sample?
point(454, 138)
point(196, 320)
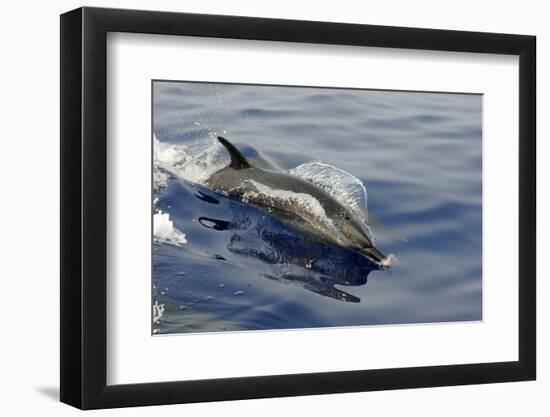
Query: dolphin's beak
point(377, 256)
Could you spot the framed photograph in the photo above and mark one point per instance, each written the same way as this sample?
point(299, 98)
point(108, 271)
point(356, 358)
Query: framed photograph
point(258, 208)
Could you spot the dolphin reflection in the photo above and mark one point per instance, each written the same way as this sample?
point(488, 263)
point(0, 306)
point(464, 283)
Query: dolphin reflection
point(294, 258)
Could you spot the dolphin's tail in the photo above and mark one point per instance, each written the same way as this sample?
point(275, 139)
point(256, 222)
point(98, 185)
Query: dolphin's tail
point(238, 161)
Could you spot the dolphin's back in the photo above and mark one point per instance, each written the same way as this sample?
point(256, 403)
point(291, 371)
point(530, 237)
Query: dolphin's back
point(239, 177)
point(234, 182)
point(230, 178)
point(294, 201)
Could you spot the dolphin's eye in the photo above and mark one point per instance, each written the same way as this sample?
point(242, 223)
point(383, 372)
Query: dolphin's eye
point(346, 217)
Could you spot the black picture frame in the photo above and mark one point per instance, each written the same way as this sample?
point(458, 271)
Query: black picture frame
point(84, 207)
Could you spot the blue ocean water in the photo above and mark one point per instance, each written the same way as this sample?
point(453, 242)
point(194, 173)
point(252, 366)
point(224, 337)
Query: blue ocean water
point(238, 268)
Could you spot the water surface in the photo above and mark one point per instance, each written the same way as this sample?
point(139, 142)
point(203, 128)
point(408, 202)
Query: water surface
point(228, 266)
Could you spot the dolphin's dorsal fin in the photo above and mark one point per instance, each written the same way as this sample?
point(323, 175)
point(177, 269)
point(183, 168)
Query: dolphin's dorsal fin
point(238, 161)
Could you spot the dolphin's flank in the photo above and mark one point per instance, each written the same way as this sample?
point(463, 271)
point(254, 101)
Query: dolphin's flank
point(297, 203)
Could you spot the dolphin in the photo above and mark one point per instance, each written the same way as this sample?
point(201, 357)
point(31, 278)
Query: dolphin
point(297, 203)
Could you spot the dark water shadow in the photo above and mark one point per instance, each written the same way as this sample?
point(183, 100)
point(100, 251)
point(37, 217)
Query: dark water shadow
point(293, 257)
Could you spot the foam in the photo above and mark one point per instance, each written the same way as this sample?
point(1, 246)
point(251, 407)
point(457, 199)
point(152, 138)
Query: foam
point(195, 162)
point(158, 311)
point(164, 230)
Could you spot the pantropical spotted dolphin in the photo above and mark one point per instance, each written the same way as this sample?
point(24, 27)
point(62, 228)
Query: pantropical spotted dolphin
point(297, 203)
